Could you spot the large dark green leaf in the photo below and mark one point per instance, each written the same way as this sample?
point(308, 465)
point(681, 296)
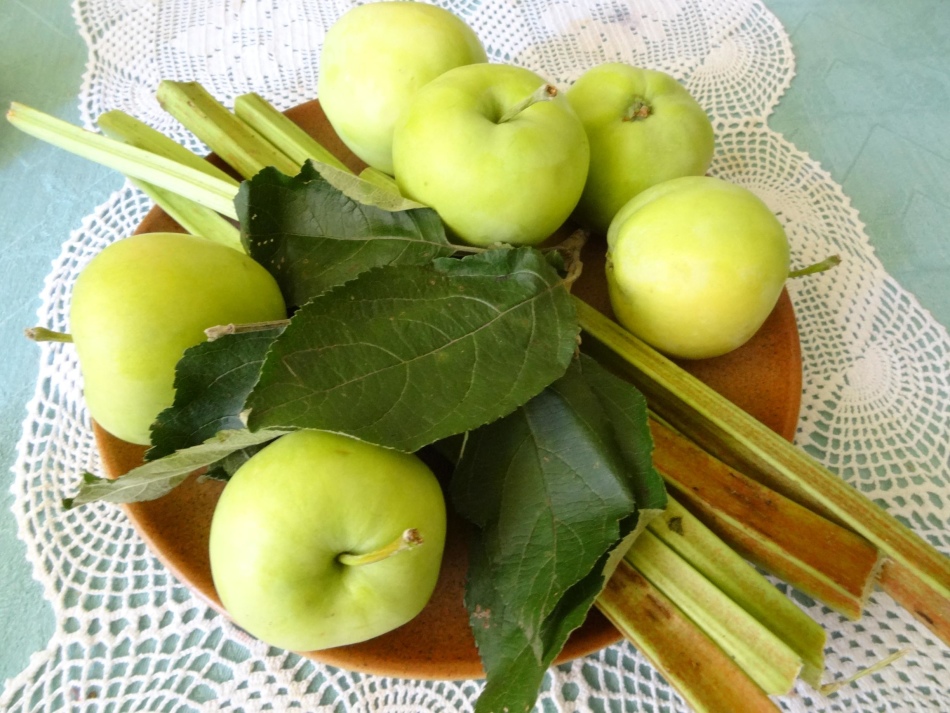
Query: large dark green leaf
point(405, 356)
point(548, 489)
point(158, 477)
point(212, 380)
point(554, 490)
point(626, 410)
point(312, 236)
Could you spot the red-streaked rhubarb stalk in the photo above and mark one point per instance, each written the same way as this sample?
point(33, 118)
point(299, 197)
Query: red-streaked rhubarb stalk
point(688, 659)
point(818, 557)
point(926, 604)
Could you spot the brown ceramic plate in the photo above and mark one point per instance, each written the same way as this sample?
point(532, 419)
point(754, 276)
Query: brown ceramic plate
point(763, 377)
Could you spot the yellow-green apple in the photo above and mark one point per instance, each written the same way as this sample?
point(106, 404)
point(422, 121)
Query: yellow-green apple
point(695, 265)
point(375, 58)
point(495, 150)
point(321, 540)
point(140, 303)
point(644, 128)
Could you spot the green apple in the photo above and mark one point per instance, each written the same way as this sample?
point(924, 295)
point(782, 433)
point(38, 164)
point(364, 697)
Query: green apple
point(308, 546)
point(644, 128)
point(495, 150)
point(373, 61)
point(140, 303)
point(695, 265)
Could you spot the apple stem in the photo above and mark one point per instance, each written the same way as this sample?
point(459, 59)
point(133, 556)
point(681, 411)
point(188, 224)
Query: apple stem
point(546, 92)
point(42, 334)
point(223, 330)
point(408, 540)
point(638, 109)
point(826, 264)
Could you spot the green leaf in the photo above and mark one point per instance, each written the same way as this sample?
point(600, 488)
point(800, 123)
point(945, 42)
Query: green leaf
point(312, 236)
point(627, 412)
point(549, 490)
point(405, 356)
point(212, 381)
point(155, 479)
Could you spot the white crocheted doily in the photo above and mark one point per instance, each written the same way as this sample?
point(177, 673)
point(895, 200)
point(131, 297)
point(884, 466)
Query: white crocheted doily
point(876, 368)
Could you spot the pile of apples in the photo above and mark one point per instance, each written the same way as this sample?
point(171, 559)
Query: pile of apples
point(694, 264)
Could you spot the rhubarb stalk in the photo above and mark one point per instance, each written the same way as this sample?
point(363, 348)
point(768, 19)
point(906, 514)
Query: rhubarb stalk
point(705, 416)
point(194, 218)
point(210, 191)
point(767, 660)
point(737, 579)
point(293, 141)
point(818, 557)
point(236, 143)
point(687, 658)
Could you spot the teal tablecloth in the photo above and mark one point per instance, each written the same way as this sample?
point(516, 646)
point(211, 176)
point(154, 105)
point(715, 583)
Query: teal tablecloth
point(870, 102)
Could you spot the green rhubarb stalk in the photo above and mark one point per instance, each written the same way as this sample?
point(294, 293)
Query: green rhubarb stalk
point(703, 674)
point(194, 218)
point(768, 660)
point(125, 127)
point(281, 132)
point(236, 143)
point(704, 416)
point(293, 141)
point(210, 191)
point(736, 578)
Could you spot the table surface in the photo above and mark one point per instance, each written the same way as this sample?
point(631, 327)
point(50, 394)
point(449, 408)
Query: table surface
point(869, 102)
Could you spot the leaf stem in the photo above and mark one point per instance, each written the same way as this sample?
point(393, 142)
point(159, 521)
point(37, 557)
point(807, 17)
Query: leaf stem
point(408, 540)
point(835, 686)
point(571, 249)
